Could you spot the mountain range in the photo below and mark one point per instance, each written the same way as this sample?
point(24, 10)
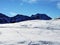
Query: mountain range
point(19, 18)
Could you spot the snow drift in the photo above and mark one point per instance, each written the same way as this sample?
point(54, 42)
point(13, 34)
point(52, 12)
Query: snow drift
point(38, 32)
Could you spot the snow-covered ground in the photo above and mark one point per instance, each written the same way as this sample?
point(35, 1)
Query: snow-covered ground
point(33, 32)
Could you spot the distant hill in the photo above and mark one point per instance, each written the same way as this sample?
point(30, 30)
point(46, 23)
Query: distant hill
point(19, 18)
point(40, 17)
point(4, 18)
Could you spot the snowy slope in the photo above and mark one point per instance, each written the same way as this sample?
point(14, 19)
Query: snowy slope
point(38, 32)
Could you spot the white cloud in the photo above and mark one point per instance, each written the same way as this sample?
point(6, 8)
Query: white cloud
point(58, 5)
point(34, 1)
point(30, 1)
point(54, 0)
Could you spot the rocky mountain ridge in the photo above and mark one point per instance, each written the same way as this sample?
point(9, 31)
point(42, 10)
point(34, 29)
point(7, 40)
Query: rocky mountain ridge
point(19, 18)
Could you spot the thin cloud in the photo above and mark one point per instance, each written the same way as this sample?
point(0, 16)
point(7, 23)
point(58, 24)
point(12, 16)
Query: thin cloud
point(30, 1)
point(54, 0)
point(58, 5)
point(21, 4)
point(34, 1)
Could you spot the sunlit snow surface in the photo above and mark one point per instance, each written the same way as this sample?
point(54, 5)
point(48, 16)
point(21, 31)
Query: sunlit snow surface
point(34, 32)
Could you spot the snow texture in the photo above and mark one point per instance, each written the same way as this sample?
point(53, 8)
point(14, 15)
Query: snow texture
point(33, 32)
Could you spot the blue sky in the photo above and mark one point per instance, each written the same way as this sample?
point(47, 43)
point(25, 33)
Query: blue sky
point(29, 7)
